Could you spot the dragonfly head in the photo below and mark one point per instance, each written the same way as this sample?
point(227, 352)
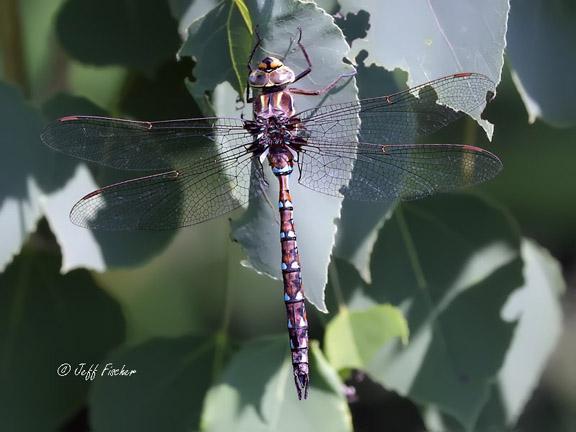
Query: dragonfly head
point(271, 72)
point(268, 64)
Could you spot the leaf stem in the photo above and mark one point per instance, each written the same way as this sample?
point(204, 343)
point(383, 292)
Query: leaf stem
point(221, 336)
point(411, 249)
point(11, 45)
point(15, 318)
point(231, 43)
point(423, 284)
point(470, 131)
point(220, 343)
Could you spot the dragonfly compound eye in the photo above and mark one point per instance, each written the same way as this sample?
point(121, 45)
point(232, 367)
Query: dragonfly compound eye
point(281, 76)
point(258, 79)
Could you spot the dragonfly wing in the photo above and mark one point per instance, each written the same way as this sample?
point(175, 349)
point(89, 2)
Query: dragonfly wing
point(387, 172)
point(169, 199)
point(138, 145)
point(400, 118)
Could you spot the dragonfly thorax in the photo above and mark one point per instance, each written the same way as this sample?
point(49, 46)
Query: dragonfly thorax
point(279, 139)
point(277, 132)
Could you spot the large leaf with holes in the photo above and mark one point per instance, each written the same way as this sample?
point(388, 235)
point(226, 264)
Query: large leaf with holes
point(432, 39)
point(360, 221)
point(427, 41)
point(314, 213)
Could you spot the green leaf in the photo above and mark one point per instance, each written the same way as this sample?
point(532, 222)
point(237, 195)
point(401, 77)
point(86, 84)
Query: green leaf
point(66, 180)
point(536, 307)
point(138, 34)
point(539, 201)
point(165, 392)
point(538, 310)
point(354, 337)
point(25, 159)
point(99, 84)
point(230, 28)
point(163, 97)
point(435, 40)
point(330, 6)
point(239, 33)
point(451, 262)
point(188, 11)
point(241, 5)
point(360, 222)
point(46, 320)
point(278, 23)
point(38, 43)
point(257, 393)
point(63, 167)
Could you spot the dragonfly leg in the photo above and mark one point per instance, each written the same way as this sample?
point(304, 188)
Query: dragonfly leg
point(256, 45)
point(323, 90)
point(309, 68)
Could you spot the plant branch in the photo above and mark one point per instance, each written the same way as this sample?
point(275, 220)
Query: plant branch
point(11, 45)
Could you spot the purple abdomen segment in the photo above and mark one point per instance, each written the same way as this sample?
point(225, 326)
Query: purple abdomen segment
point(293, 294)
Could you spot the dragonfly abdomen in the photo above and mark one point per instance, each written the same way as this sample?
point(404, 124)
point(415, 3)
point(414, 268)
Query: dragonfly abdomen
point(293, 293)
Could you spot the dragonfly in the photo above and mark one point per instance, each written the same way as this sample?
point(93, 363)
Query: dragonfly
point(201, 168)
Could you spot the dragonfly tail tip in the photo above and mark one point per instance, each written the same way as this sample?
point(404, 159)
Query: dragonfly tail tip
point(302, 381)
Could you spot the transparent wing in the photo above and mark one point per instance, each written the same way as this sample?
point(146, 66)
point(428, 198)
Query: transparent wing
point(399, 117)
point(382, 172)
point(138, 145)
point(172, 199)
